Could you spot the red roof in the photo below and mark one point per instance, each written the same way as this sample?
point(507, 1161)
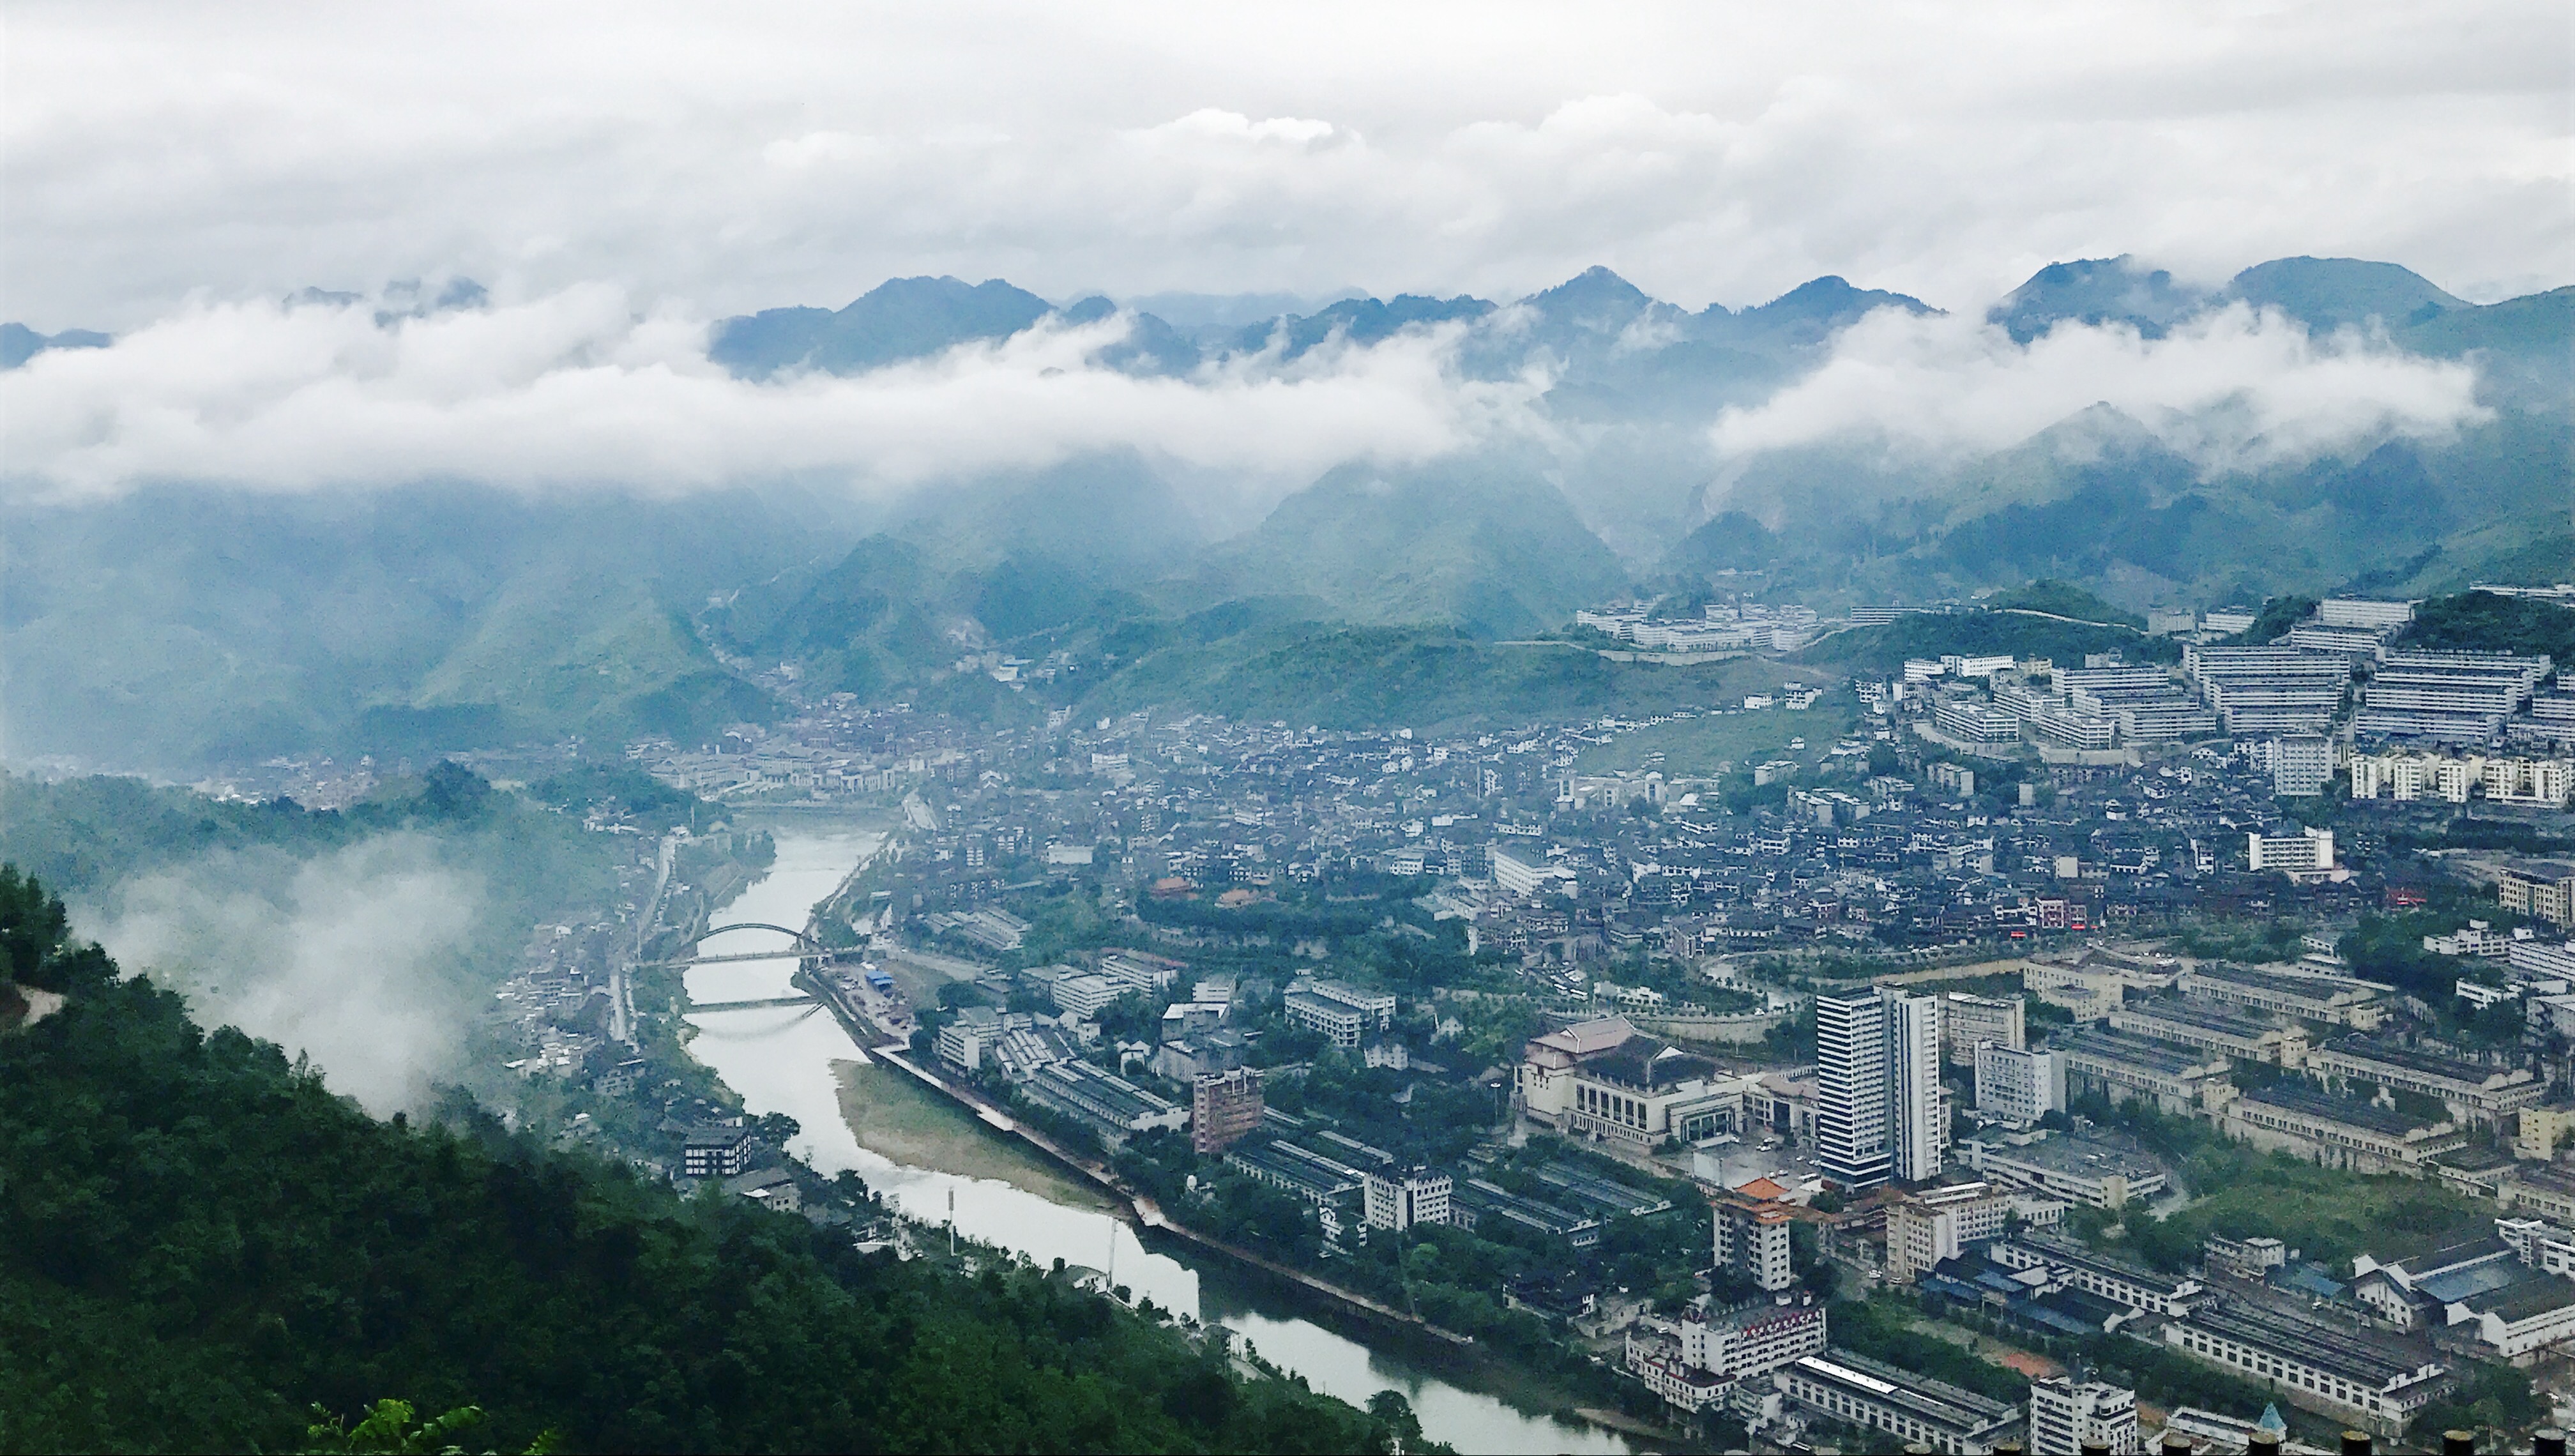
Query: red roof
point(1764, 1189)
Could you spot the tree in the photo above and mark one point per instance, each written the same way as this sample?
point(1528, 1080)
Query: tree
point(387, 1430)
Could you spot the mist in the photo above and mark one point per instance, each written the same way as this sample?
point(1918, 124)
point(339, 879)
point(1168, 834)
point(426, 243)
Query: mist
point(2231, 390)
point(351, 958)
point(575, 389)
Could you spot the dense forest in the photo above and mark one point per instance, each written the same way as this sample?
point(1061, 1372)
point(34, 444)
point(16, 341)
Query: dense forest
point(203, 1244)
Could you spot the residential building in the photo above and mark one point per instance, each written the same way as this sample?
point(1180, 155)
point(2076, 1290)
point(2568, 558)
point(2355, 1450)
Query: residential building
point(1967, 1021)
point(1935, 1223)
point(2368, 616)
point(2094, 1168)
point(1341, 1013)
point(1654, 1357)
point(2323, 1367)
point(2538, 1131)
point(2338, 1132)
point(1223, 1110)
point(2309, 851)
point(2018, 1086)
point(2541, 888)
point(2301, 764)
point(1514, 875)
point(1918, 1130)
point(716, 1153)
point(2069, 1417)
point(1397, 1200)
point(1752, 1240)
point(1851, 1124)
point(2545, 782)
point(1752, 1339)
point(1968, 721)
point(2404, 776)
point(1908, 1407)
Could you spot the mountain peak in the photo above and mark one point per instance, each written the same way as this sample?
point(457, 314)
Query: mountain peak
point(2097, 291)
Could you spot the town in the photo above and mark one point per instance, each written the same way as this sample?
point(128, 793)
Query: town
point(1928, 1070)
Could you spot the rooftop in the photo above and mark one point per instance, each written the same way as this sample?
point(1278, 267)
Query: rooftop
point(2349, 1111)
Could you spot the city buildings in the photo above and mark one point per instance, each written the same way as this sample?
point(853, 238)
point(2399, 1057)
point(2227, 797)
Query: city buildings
point(1908, 1407)
point(2475, 1094)
point(2309, 851)
point(2103, 1275)
point(1752, 1239)
point(2093, 1169)
point(1341, 1013)
point(2338, 1000)
point(1223, 1110)
point(2338, 1132)
point(1606, 1079)
point(2321, 1366)
point(1917, 1112)
point(1852, 1133)
point(1968, 1022)
point(2542, 889)
point(1935, 1223)
point(2069, 1417)
point(1397, 1200)
point(2018, 1086)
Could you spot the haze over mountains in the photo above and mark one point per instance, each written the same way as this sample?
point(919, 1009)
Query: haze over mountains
point(712, 500)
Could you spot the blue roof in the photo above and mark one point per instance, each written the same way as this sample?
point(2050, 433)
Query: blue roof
point(2307, 1279)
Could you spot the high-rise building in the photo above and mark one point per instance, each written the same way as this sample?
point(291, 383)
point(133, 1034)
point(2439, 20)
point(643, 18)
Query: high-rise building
point(1224, 1109)
point(1752, 1239)
point(1918, 1131)
point(2066, 1415)
point(1850, 1089)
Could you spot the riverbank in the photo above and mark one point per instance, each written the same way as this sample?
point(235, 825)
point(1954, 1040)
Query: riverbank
point(898, 1118)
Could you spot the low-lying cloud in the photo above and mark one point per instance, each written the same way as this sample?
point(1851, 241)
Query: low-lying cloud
point(2232, 390)
point(349, 958)
point(575, 389)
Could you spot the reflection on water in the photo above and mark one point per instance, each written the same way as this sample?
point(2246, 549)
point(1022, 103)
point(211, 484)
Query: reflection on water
point(780, 1060)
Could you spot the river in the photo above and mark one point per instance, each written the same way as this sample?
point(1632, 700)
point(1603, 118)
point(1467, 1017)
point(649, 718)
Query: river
point(780, 1060)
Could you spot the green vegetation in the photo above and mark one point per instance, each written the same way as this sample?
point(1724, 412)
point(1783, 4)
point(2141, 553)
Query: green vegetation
point(2276, 616)
point(1699, 745)
point(1883, 1329)
point(2484, 622)
point(2064, 598)
point(205, 1243)
point(1432, 678)
point(2326, 1213)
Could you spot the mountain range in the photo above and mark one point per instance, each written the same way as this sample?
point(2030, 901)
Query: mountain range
point(176, 625)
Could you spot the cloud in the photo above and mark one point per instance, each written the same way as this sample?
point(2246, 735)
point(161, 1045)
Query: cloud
point(348, 958)
point(575, 389)
point(804, 153)
point(2231, 390)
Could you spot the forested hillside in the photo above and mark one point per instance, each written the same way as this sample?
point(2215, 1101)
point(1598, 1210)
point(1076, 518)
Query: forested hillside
point(203, 1242)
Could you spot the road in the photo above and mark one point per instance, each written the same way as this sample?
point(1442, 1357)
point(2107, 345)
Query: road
point(621, 976)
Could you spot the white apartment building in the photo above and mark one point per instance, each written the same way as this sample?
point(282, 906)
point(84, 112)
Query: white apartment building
point(1967, 1021)
point(1514, 875)
point(1396, 1201)
point(2407, 777)
point(1341, 1013)
point(1752, 1239)
point(2309, 851)
point(2066, 1415)
point(1755, 1339)
point(2018, 1086)
point(2366, 615)
point(1938, 1222)
point(1919, 1131)
point(1851, 1142)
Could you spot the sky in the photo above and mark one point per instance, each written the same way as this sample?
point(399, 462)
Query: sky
point(718, 159)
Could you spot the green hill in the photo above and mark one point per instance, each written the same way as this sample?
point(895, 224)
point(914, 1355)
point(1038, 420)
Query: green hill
point(205, 1243)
